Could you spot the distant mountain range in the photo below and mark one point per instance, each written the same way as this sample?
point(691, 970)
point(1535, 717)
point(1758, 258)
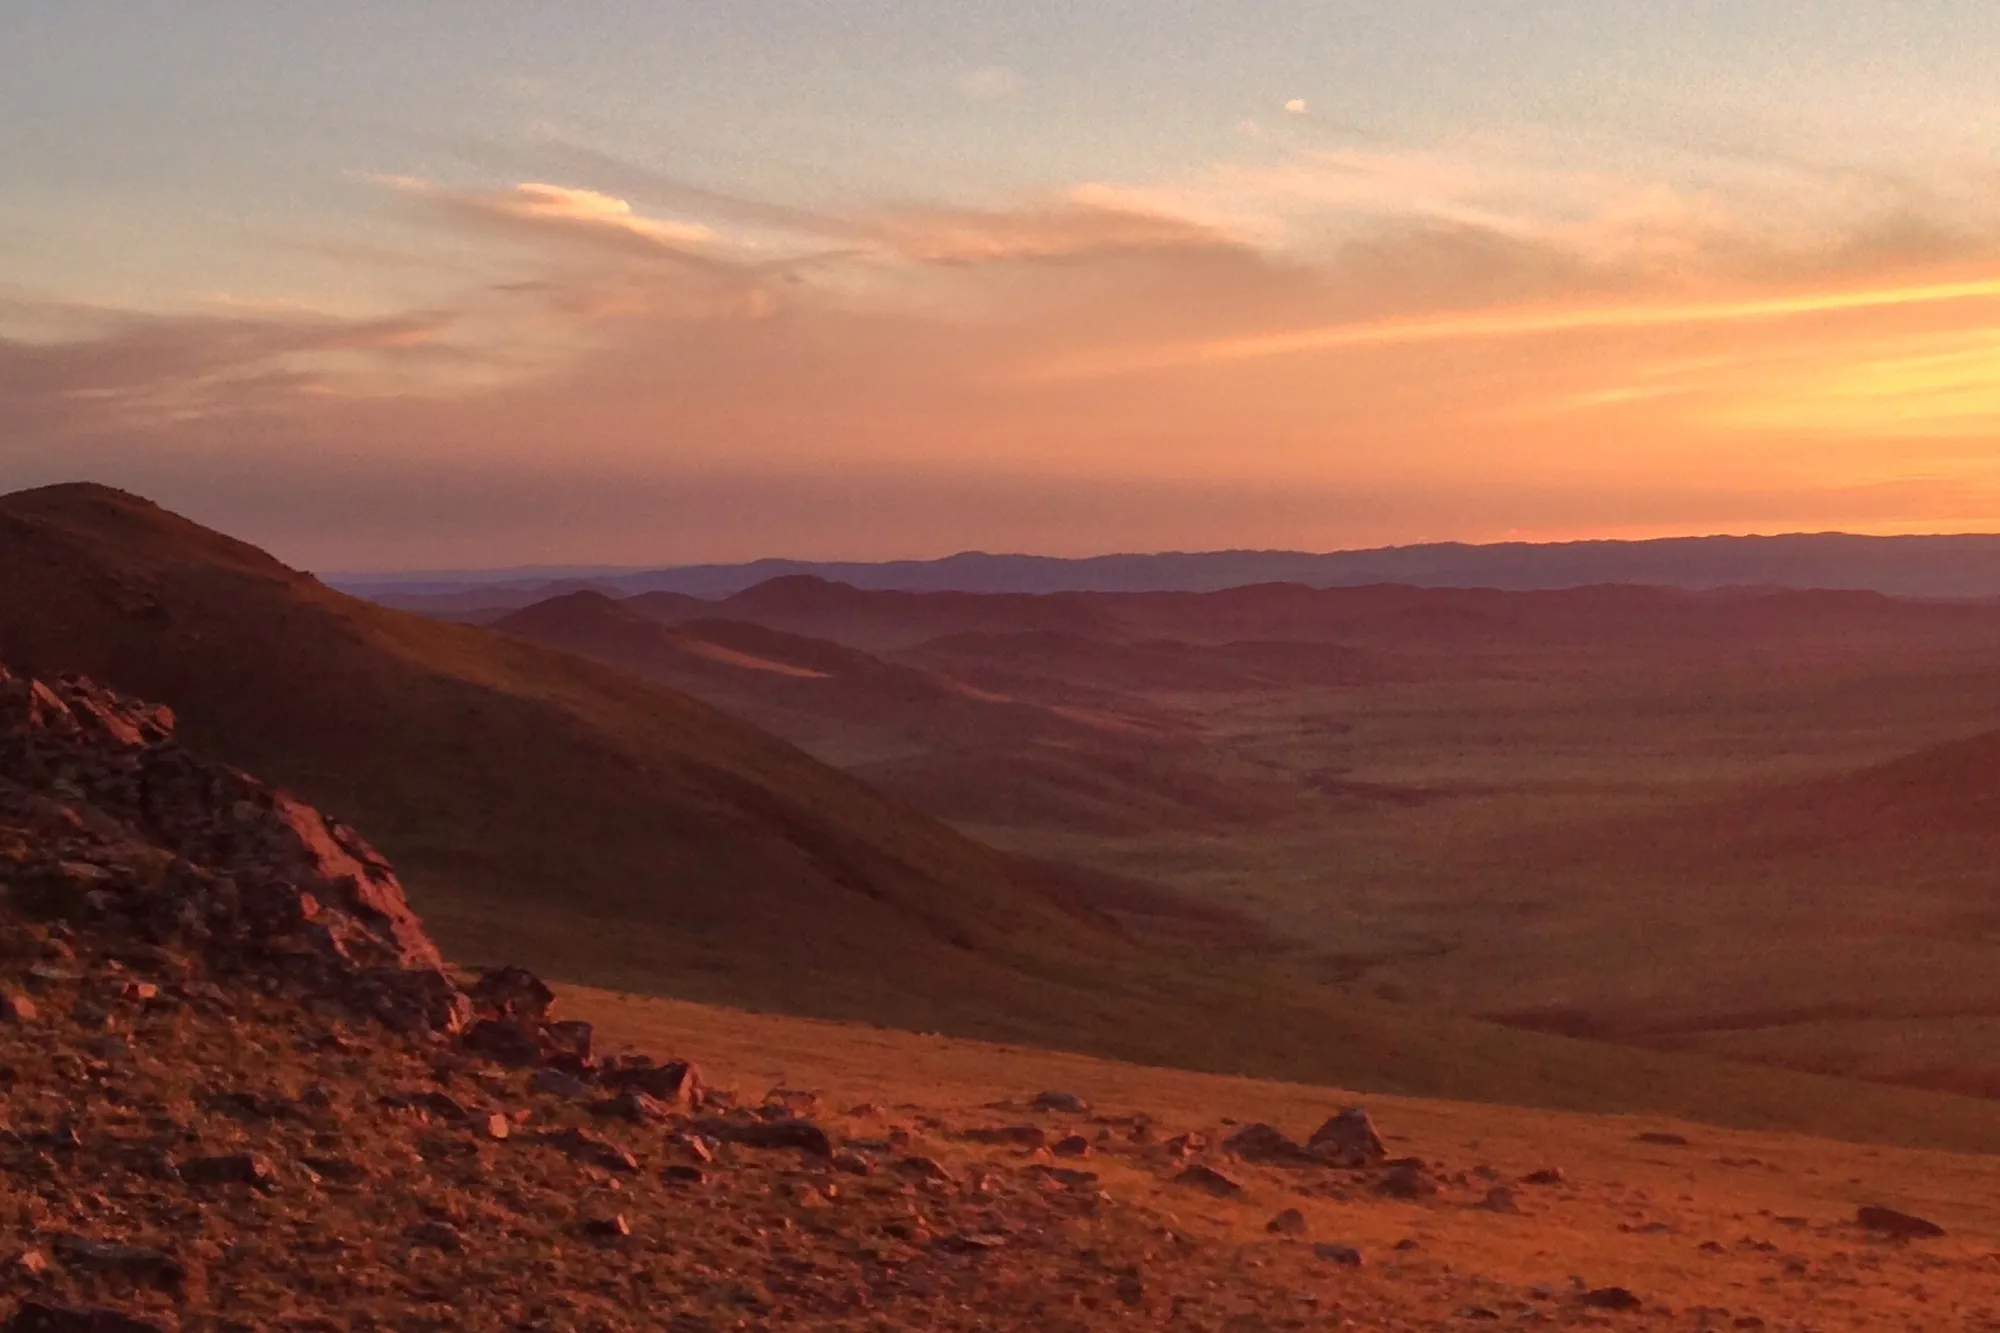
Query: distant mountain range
point(1918, 566)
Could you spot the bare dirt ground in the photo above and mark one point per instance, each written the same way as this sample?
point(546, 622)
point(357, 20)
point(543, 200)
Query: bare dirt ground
point(1707, 1228)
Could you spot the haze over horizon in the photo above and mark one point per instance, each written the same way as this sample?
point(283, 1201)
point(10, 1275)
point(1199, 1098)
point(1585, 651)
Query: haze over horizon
point(489, 286)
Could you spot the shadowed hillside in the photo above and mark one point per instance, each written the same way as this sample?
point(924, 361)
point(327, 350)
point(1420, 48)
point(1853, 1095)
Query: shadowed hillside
point(545, 807)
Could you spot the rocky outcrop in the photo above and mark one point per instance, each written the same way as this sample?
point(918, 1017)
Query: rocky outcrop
point(107, 821)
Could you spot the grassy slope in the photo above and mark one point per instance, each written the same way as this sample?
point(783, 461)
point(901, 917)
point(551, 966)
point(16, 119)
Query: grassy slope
point(610, 831)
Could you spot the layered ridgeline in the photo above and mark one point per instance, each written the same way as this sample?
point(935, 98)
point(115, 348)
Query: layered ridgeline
point(601, 828)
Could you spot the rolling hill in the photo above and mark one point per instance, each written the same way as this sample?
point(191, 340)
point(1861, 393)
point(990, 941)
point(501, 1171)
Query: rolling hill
point(612, 831)
point(545, 807)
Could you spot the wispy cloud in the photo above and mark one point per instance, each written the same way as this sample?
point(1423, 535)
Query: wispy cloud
point(1523, 323)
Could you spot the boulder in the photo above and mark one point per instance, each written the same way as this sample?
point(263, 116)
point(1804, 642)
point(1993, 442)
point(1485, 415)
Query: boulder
point(1348, 1139)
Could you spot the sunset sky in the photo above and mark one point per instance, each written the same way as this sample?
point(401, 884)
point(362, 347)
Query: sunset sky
point(449, 285)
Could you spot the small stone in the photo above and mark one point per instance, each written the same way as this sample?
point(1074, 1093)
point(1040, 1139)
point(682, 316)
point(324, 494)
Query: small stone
point(614, 1227)
point(680, 1173)
point(853, 1163)
point(1346, 1256)
point(1074, 1146)
point(1067, 1103)
point(922, 1168)
point(244, 1168)
point(1063, 1177)
point(1291, 1222)
point(1014, 1136)
point(1208, 1179)
point(29, 1264)
point(1661, 1138)
point(1500, 1199)
point(971, 1242)
point(1548, 1175)
point(803, 1135)
point(17, 1008)
point(1408, 1180)
point(1263, 1143)
point(1611, 1298)
point(1902, 1226)
point(587, 1147)
point(498, 1126)
point(632, 1105)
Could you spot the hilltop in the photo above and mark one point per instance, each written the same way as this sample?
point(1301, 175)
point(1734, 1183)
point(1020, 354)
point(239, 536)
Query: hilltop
point(543, 807)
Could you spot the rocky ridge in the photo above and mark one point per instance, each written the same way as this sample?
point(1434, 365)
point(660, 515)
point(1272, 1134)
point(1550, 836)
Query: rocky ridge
point(242, 1091)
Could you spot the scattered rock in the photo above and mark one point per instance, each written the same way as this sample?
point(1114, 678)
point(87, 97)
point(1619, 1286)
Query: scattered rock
point(1291, 1222)
point(803, 1135)
point(614, 1227)
point(1264, 1143)
point(137, 1264)
point(1016, 1136)
point(1661, 1138)
point(677, 1082)
point(1210, 1180)
point(1902, 1226)
point(1068, 1103)
point(922, 1168)
point(243, 1168)
point(1185, 1145)
point(512, 995)
point(1063, 1177)
point(1611, 1298)
point(17, 1008)
point(1349, 1139)
point(1075, 1145)
point(497, 1126)
point(971, 1242)
point(1408, 1180)
point(634, 1106)
point(1548, 1175)
point(584, 1146)
point(1500, 1199)
point(36, 1317)
point(1346, 1256)
point(555, 1083)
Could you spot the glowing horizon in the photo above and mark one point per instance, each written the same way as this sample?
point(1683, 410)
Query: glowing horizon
point(477, 286)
